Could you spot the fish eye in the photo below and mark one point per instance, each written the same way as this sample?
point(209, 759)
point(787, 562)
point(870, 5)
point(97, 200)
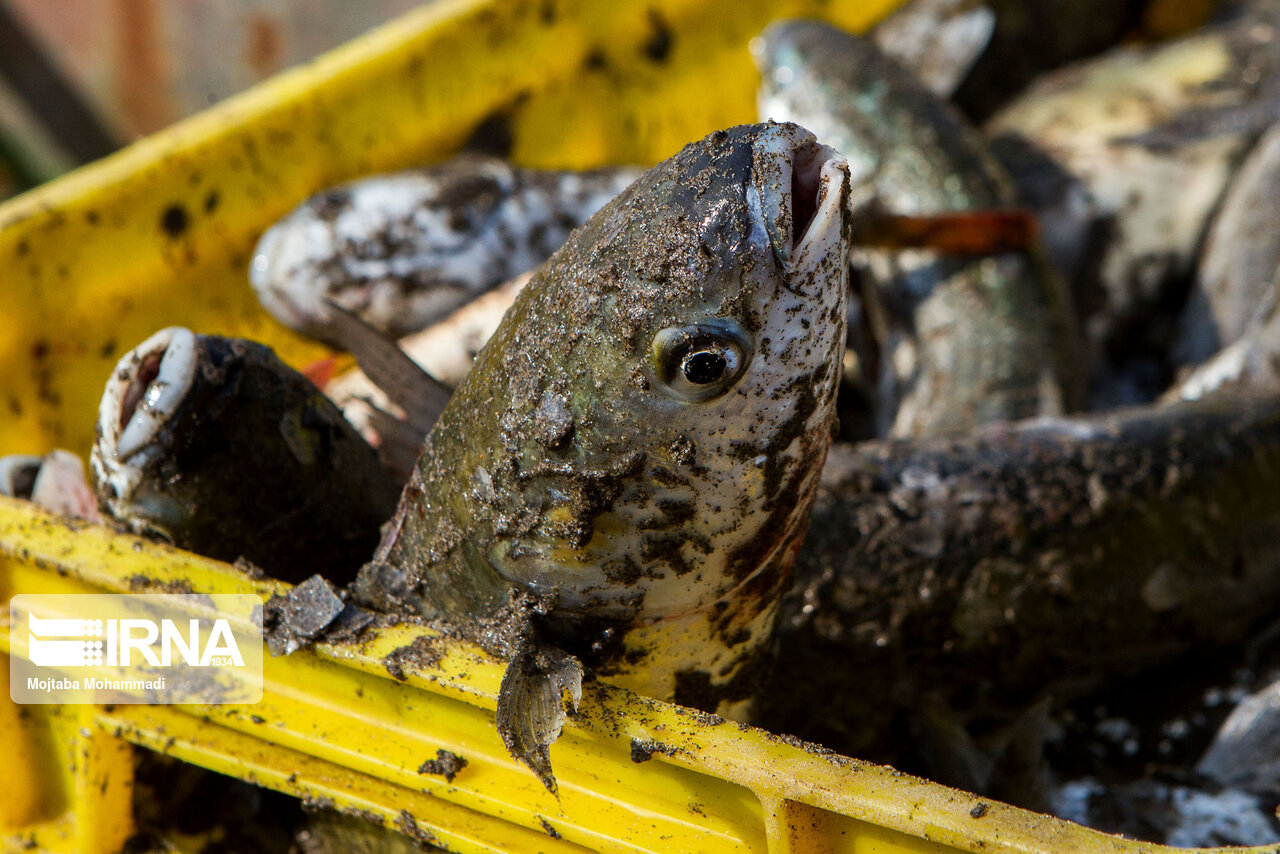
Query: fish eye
point(702, 361)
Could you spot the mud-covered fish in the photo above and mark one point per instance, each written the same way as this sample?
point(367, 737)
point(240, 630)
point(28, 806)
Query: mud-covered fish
point(401, 251)
point(955, 342)
point(55, 481)
point(1025, 561)
point(217, 446)
point(639, 442)
point(1125, 158)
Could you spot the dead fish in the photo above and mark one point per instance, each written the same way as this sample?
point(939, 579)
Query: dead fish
point(940, 40)
point(961, 341)
point(637, 446)
point(55, 482)
point(445, 351)
point(401, 251)
point(1234, 303)
point(217, 446)
point(1251, 363)
point(1125, 158)
point(1028, 560)
point(1240, 270)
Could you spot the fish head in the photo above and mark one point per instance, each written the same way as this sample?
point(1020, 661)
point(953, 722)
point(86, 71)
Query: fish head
point(666, 383)
point(217, 446)
point(137, 415)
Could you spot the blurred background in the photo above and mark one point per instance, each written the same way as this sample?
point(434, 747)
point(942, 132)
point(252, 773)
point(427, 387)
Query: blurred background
point(81, 78)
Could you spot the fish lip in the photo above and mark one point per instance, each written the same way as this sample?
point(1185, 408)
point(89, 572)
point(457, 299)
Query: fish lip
point(829, 173)
point(797, 195)
point(153, 405)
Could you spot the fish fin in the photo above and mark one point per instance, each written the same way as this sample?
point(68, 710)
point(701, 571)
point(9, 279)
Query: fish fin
point(399, 443)
point(419, 394)
point(531, 704)
point(989, 232)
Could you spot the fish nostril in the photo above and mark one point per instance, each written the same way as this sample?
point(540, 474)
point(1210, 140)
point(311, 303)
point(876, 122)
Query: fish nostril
point(148, 371)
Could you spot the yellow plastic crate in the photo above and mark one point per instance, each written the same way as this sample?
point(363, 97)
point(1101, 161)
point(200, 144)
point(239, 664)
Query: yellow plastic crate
point(160, 234)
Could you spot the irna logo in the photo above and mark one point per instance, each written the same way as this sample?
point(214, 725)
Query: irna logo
point(65, 643)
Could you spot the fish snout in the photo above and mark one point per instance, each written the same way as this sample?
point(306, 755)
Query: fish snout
point(799, 193)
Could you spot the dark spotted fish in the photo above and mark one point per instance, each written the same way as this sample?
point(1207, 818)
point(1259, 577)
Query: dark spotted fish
point(1025, 561)
point(637, 446)
point(217, 446)
point(401, 251)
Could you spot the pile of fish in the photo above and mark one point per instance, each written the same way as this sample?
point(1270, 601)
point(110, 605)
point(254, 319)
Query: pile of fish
point(922, 439)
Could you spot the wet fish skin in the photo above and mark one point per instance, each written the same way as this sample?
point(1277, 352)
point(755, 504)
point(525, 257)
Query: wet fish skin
point(403, 250)
point(921, 154)
point(968, 341)
point(1038, 559)
point(577, 459)
point(217, 446)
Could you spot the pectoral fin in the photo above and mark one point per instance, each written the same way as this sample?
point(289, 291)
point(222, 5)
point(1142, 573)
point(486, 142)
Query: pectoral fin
point(531, 704)
point(419, 394)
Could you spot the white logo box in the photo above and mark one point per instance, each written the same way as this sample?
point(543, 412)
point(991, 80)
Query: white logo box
point(153, 648)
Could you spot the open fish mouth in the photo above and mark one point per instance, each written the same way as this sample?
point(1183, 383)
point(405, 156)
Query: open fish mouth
point(146, 390)
point(799, 189)
point(143, 395)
